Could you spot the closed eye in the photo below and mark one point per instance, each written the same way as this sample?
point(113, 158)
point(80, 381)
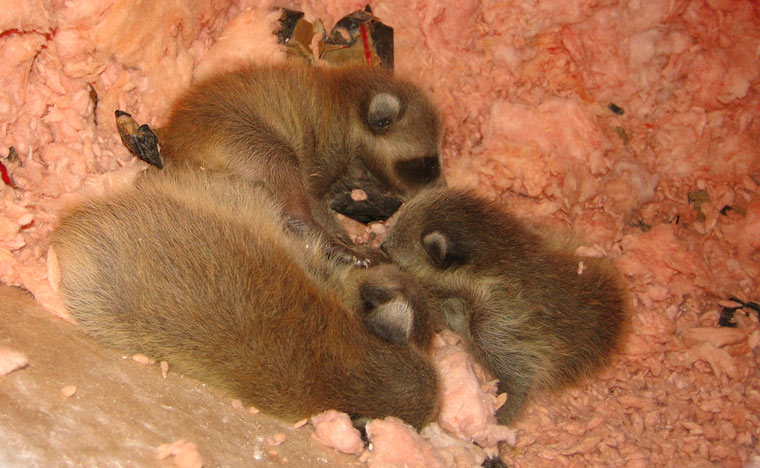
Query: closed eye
point(419, 171)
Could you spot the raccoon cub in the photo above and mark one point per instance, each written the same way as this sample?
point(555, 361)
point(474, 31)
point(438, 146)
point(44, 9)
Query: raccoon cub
point(200, 270)
point(525, 309)
point(304, 130)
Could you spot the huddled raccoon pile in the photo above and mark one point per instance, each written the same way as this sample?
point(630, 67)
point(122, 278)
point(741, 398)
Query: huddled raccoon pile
point(229, 264)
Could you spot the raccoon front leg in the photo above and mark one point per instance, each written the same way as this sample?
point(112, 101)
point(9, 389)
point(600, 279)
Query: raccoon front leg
point(299, 209)
point(338, 246)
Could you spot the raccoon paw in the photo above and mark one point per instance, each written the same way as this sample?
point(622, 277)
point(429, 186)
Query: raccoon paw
point(357, 255)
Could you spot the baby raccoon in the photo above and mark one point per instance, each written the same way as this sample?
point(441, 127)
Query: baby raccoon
point(200, 270)
point(526, 310)
point(304, 130)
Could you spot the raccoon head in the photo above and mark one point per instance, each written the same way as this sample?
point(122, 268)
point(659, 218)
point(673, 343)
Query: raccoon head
point(397, 133)
point(443, 230)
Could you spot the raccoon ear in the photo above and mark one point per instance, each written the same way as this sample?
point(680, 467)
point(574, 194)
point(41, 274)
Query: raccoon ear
point(436, 245)
point(385, 315)
point(384, 109)
point(441, 250)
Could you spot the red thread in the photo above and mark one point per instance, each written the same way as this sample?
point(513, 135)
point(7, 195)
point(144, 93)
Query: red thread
point(4, 173)
point(365, 42)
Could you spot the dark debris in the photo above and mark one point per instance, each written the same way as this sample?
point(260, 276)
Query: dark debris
point(727, 314)
point(615, 109)
point(139, 139)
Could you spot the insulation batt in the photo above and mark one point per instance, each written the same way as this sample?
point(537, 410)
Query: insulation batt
point(525, 90)
point(335, 429)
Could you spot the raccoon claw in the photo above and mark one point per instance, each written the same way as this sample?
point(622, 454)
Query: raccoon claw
point(363, 262)
point(361, 255)
point(346, 255)
point(139, 139)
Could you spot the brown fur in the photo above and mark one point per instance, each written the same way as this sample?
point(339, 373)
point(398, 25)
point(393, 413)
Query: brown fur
point(198, 269)
point(518, 301)
point(301, 130)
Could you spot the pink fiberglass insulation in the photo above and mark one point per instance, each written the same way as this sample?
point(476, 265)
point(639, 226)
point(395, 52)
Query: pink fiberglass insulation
point(636, 123)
